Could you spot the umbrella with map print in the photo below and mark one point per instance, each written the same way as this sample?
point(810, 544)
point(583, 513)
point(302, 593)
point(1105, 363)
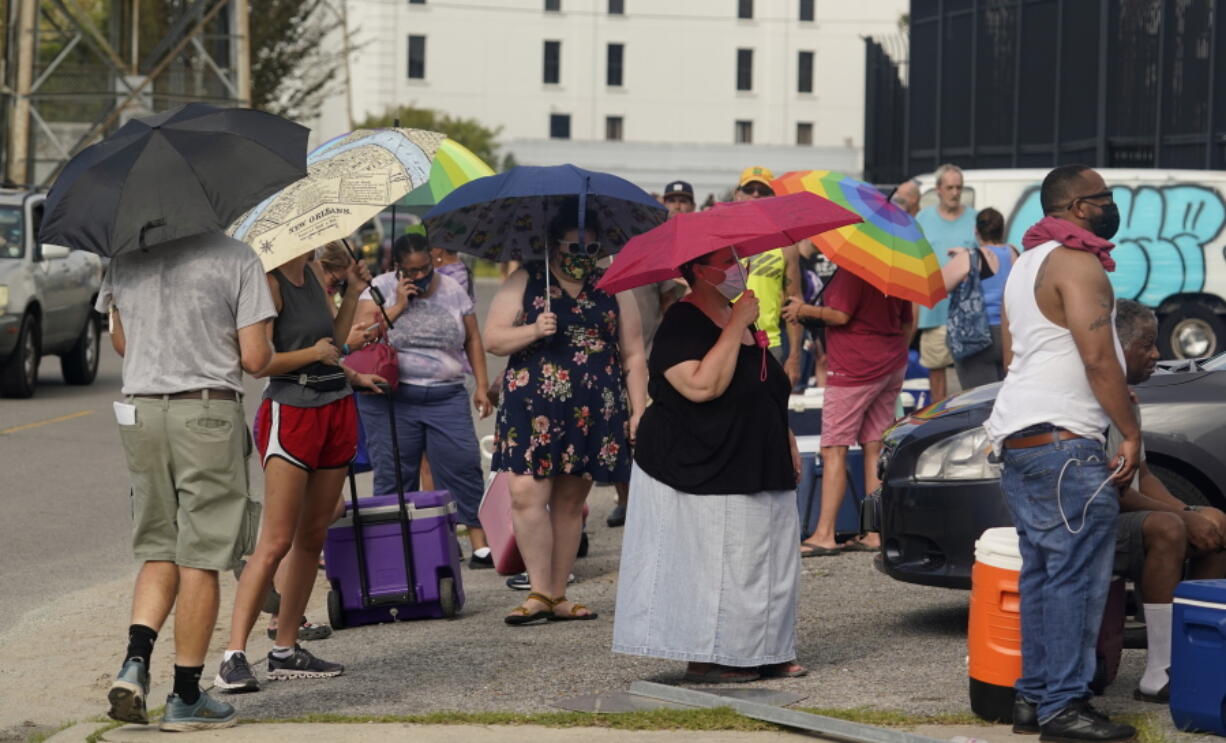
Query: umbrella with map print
point(350, 179)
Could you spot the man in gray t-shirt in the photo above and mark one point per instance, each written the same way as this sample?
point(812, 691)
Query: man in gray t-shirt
point(188, 317)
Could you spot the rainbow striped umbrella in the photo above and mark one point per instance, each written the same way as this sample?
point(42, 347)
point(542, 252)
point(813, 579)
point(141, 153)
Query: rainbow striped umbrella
point(887, 249)
point(454, 165)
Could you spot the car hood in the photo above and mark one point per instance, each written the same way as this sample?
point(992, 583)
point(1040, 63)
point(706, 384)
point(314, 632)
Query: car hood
point(973, 407)
point(963, 409)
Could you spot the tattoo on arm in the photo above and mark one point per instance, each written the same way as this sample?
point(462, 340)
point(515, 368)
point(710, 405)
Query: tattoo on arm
point(1106, 303)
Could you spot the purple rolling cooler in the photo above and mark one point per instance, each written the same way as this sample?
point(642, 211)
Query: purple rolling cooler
point(379, 557)
point(393, 556)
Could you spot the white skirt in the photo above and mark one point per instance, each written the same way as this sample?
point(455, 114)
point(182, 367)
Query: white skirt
point(708, 578)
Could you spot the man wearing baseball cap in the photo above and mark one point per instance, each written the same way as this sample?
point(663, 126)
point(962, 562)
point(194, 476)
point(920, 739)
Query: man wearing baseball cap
point(678, 198)
point(773, 276)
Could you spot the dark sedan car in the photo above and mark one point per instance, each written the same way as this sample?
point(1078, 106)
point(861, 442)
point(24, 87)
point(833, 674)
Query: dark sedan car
point(939, 491)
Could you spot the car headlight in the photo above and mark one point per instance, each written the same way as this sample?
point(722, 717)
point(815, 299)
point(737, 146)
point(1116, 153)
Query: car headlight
point(4, 298)
point(963, 456)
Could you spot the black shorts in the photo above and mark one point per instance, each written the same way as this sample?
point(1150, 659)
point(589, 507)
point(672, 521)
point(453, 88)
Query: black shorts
point(1130, 544)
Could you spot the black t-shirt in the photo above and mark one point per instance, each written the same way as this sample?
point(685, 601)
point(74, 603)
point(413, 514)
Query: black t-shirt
point(734, 444)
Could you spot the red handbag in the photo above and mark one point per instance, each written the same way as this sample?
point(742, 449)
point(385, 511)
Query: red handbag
point(379, 358)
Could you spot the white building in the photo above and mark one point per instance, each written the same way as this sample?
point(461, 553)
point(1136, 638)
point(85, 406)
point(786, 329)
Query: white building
point(652, 90)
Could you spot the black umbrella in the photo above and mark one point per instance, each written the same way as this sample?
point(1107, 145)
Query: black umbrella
point(183, 172)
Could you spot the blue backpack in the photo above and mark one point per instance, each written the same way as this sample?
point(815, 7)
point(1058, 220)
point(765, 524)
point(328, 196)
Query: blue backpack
point(968, 331)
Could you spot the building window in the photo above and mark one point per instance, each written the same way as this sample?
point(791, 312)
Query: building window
point(806, 10)
point(617, 7)
point(804, 133)
point(613, 74)
point(744, 132)
point(744, 9)
point(553, 62)
point(559, 126)
point(744, 69)
point(417, 57)
point(553, 6)
point(804, 72)
point(613, 128)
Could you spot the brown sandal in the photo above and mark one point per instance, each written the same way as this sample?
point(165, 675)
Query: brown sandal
point(572, 615)
point(520, 615)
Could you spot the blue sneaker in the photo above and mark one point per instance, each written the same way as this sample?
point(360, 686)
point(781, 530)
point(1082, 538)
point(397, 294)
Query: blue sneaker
point(128, 692)
point(206, 714)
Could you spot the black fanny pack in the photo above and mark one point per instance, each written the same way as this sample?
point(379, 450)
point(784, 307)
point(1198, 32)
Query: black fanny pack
point(316, 378)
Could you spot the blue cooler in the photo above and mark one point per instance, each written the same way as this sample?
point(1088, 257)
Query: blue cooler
point(805, 412)
point(809, 490)
point(1198, 656)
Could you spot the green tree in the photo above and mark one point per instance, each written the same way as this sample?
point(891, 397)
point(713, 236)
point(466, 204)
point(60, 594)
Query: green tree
point(480, 139)
point(292, 65)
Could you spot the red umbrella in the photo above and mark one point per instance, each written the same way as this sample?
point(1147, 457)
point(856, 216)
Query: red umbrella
point(749, 227)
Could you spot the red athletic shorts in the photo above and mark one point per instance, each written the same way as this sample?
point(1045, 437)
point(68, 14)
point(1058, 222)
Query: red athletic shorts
point(311, 438)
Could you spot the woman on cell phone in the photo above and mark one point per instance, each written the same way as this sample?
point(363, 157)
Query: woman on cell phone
point(434, 332)
point(308, 436)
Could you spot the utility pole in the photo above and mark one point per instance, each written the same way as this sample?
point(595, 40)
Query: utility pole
point(242, 49)
point(18, 170)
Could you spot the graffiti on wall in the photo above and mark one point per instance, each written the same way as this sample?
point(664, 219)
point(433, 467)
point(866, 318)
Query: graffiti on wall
point(1161, 245)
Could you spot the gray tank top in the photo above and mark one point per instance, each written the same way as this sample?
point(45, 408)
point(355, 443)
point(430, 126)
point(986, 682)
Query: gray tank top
point(303, 320)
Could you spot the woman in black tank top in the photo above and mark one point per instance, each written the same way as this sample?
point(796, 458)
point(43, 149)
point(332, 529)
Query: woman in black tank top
point(306, 435)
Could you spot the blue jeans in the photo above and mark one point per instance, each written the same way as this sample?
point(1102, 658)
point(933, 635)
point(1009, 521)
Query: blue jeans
point(431, 420)
point(1065, 576)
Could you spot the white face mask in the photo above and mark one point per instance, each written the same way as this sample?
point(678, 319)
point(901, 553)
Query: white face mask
point(732, 280)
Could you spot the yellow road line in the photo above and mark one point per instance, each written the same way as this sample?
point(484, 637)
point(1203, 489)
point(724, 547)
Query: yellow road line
point(49, 421)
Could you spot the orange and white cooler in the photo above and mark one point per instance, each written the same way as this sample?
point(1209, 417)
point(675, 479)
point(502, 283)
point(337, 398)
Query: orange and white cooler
point(994, 638)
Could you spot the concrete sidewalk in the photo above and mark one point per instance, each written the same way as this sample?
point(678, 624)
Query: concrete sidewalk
point(372, 732)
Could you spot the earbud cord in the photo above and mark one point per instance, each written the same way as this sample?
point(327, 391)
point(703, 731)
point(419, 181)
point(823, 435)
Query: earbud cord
point(1060, 504)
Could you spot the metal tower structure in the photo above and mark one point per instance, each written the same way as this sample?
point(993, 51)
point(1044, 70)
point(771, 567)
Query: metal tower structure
point(75, 70)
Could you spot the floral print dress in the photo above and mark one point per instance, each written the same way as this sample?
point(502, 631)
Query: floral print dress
point(564, 405)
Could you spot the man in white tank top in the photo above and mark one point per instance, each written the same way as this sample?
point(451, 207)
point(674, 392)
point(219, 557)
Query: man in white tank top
point(1065, 384)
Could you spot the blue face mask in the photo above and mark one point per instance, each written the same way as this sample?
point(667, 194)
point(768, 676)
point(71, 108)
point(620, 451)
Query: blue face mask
point(423, 284)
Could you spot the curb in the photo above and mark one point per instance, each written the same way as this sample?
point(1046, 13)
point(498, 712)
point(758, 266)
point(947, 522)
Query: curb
point(78, 733)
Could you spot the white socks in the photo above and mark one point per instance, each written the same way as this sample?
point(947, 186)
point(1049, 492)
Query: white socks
point(483, 553)
point(1158, 657)
point(283, 653)
point(231, 653)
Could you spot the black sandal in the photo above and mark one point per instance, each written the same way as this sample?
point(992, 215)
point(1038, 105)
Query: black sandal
point(572, 615)
point(520, 615)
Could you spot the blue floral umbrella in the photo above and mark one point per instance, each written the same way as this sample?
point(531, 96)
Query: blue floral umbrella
point(505, 217)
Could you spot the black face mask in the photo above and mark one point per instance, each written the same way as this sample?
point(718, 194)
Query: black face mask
point(1106, 222)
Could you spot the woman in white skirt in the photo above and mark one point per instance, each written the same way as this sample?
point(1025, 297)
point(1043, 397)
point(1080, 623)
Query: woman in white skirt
point(709, 566)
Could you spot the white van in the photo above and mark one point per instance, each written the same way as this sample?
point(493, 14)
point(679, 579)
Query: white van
point(1170, 250)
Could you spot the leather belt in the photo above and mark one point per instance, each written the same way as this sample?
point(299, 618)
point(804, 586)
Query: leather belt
point(1039, 439)
point(194, 395)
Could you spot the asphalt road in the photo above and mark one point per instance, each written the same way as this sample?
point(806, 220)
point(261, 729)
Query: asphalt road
point(64, 484)
point(869, 641)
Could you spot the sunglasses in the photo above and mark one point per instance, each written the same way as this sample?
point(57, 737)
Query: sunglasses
point(757, 189)
point(416, 271)
point(1100, 195)
point(575, 248)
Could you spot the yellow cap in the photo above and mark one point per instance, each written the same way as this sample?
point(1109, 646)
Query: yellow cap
point(756, 173)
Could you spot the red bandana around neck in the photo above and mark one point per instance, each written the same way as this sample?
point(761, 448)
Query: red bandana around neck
point(1070, 236)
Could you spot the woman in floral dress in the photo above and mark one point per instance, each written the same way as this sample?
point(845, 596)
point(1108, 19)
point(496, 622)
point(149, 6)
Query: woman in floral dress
point(573, 391)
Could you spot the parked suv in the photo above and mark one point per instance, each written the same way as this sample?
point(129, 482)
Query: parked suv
point(47, 294)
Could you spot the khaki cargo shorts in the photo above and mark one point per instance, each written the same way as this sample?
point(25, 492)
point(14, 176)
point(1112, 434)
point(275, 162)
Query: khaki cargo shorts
point(190, 490)
point(934, 350)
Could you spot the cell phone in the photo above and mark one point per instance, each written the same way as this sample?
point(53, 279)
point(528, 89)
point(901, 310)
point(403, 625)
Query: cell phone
point(372, 327)
point(384, 387)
